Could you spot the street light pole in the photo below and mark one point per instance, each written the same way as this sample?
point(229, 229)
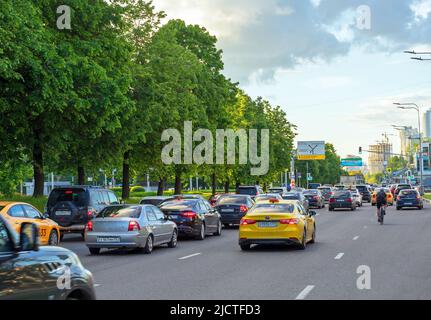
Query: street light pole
point(414, 106)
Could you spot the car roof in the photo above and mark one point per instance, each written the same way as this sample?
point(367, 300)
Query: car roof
point(156, 197)
point(6, 203)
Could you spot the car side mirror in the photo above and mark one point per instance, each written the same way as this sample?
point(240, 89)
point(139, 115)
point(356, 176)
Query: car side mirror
point(46, 216)
point(28, 237)
point(312, 213)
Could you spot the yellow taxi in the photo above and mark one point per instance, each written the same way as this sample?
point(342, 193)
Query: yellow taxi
point(277, 222)
point(389, 196)
point(15, 213)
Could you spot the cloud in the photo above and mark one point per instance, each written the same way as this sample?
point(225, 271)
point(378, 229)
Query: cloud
point(260, 37)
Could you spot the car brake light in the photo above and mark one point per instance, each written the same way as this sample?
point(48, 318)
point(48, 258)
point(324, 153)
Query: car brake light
point(68, 192)
point(349, 200)
point(243, 208)
point(332, 200)
point(89, 226)
point(188, 214)
point(289, 221)
point(245, 222)
point(134, 226)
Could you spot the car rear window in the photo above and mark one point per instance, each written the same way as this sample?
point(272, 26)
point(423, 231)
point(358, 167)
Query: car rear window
point(273, 208)
point(362, 188)
point(342, 194)
point(276, 190)
point(154, 202)
point(232, 200)
point(290, 196)
point(179, 204)
point(120, 212)
point(76, 196)
point(248, 191)
point(409, 193)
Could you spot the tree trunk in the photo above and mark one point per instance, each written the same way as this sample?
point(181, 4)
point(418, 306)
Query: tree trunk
point(126, 176)
point(161, 187)
point(81, 175)
point(237, 184)
point(178, 185)
point(213, 184)
point(226, 186)
point(39, 177)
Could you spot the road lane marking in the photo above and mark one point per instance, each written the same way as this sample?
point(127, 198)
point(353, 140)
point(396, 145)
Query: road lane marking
point(304, 293)
point(339, 256)
point(317, 214)
point(189, 256)
point(365, 227)
point(97, 285)
point(355, 238)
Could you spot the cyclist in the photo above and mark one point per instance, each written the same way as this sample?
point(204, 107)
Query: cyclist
point(381, 204)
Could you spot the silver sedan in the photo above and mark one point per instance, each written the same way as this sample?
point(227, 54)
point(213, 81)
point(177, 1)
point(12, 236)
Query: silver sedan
point(130, 226)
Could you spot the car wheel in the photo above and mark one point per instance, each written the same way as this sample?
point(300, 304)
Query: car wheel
point(313, 238)
point(83, 235)
point(218, 232)
point(331, 209)
point(245, 247)
point(53, 238)
point(202, 232)
point(174, 240)
point(398, 208)
point(226, 225)
point(303, 243)
point(149, 245)
point(94, 251)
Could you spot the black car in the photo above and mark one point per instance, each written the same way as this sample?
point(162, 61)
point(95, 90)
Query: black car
point(342, 200)
point(409, 198)
point(194, 217)
point(30, 272)
point(365, 191)
point(156, 200)
point(326, 192)
point(315, 199)
point(251, 191)
point(73, 207)
point(233, 207)
point(295, 195)
point(401, 187)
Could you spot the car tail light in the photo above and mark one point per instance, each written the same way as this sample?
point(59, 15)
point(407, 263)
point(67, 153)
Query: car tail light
point(289, 221)
point(188, 214)
point(243, 208)
point(349, 200)
point(245, 222)
point(89, 226)
point(332, 200)
point(134, 226)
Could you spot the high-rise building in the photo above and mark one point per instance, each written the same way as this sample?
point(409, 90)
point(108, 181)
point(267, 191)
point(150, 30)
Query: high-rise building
point(379, 155)
point(408, 136)
point(427, 124)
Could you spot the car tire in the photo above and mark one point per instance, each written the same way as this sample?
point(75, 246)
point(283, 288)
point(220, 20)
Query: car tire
point(226, 225)
point(303, 243)
point(61, 236)
point(53, 238)
point(202, 232)
point(245, 247)
point(83, 235)
point(313, 238)
point(398, 208)
point(219, 227)
point(174, 240)
point(149, 245)
point(94, 251)
point(331, 209)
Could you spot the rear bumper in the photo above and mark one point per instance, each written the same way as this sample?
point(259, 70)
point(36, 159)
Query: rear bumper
point(230, 220)
point(341, 206)
point(133, 240)
point(77, 228)
point(402, 204)
point(189, 230)
point(285, 241)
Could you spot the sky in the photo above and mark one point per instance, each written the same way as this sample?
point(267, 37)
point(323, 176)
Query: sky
point(334, 66)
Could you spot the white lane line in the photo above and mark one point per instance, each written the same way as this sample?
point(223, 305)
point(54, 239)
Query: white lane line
point(304, 293)
point(189, 256)
point(365, 227)
point(97, 285)
point(317, 214)
point(355, 238)
point(339, 256)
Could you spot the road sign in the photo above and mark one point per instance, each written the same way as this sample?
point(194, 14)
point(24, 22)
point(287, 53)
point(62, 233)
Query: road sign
point(351, 162)
point(311, 150)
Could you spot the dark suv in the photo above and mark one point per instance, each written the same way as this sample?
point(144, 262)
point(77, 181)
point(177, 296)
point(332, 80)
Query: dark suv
point(365, 192)
point(30, 272)
point(73, 207)
point(251, 191)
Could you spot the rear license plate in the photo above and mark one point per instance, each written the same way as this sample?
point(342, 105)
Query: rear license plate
point(408, 203)
point(267, 224)
point(63, 213)
point(228, 210)
point(108, 239)
point(341, 200)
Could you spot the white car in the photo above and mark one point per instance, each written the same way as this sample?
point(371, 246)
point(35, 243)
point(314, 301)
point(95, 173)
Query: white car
point(357, 197)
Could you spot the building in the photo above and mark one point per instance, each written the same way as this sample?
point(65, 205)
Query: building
point(379, 155)
point(409, 137)
point(427, 124)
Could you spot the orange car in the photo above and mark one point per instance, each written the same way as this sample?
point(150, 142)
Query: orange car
point(18, 212)
point(389, 196)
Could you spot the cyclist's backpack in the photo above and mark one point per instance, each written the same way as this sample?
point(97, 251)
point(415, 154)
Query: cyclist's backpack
point(381, 197)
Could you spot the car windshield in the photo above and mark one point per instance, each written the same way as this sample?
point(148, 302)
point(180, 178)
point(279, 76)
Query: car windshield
point(179, 204)
point(77, 196)
point(120, 212)
point(273, 208)
point(154, 202)
point(248, 191)
point(231, 200)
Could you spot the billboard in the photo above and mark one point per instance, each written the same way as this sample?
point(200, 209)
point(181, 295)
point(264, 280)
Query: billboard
point(311, 150)
point(351, 162)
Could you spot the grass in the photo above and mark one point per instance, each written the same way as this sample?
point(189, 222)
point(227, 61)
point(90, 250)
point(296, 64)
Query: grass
point(427, 196)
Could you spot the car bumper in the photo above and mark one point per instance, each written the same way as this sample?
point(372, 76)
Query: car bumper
point(189, 230)
point(132, 240)
point(230, 219)
point(342, 206)
point(408, 204)
point(283, 241)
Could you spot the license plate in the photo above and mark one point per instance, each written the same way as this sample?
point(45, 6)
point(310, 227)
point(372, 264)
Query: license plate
point(63, 213)
point(228, 210)
point(108, 239)
point(340, 200)
point(267, 224)
point(408, 203)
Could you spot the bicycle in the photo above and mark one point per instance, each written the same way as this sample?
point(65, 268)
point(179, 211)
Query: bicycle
point(381, 214)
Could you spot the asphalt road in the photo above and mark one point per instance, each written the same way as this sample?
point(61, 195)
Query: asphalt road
point(397, 255)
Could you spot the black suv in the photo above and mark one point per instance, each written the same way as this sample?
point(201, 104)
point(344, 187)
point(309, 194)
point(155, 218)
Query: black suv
point(30, 272)
point(251, 191)
point(365, 191)
point(73, 207)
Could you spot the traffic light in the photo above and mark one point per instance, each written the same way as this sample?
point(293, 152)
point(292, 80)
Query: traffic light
point(360, 150)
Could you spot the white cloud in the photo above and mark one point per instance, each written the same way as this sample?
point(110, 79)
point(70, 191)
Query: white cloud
point(421, 9)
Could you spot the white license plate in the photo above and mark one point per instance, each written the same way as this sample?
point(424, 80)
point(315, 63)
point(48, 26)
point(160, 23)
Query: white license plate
point(408, 203)
point(108, 239)
point(267, 224)
point(340, 200)
point(63, 213)
point(228, 210)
